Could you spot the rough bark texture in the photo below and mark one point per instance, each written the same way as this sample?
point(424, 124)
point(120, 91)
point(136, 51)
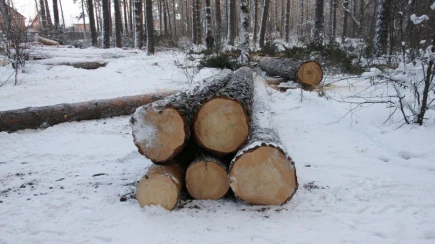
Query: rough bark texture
point(287, 21)
point(381, 31)
point(206, 177)
point(218, 17)
point(118, 24)
point(149, 134)
point(138, 24)
point(344, 34)
point(42, 117)
point(150, 28)
point(106, 24)
point(221, 123)
point(232, 23)
point(318, 23)
point(207, 16)
point(264, 23)
point(309, 73)
point(92, 23)
point(55, 14)
point(125, 17)
point(244, 35)
point(262, 172)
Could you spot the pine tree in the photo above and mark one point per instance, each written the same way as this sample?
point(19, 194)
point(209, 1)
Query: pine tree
point(218, 37)
point(318, 23)
point(264, 22)
point(381, 31)
point(106, 24)
point(92, 23)
point(150, 27)
point(118, 24)
point(244, 37)
point(286, 22)
point(138, 24)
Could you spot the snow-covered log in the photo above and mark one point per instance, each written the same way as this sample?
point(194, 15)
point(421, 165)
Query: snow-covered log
point(42, 117)
point(162, 129)
point(308, 73)
point(206, 177)
point(46, 41)
point(262, 172)
point(221, 123)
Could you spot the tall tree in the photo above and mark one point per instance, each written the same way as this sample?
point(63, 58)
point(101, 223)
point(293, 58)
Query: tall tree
point(255, 21)
point(287, 21)
point(244, 37)
point(381, 32)
point(169, 19)
point(345, 14)
point(61, 10)
point(118, 24)
point(48, 15)
point(334, 19)
point(83, 17)
point(43, 16)
point(207, 16)
point(301, 21)
point(194, 23)
point(318, 22)
point(138, 23)
point(174, 14)
point(198, 20)
point(231, 22)
point(165, 18)
point(106, 23)
point(264, 22)
point(218, 17)
point(56, 15)
point(125, 17)
point(150, 27)
point(92, 23)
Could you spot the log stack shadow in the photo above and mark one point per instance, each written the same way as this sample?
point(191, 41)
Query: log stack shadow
point(210, 140)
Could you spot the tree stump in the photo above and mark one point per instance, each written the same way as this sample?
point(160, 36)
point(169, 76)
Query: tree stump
point(162, 129)
point(221, 124)
point(206, 178)
point(308, 73)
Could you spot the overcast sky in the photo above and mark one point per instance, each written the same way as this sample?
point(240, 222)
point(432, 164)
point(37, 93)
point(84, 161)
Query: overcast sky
point(70, 10)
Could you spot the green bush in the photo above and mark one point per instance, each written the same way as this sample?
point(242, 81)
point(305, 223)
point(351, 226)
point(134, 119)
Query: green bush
point(220, 60)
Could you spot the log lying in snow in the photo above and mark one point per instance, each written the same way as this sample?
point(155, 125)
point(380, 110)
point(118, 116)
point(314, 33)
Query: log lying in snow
point(162, 184)
point(221, 124)
point(162, 129)
point(46, 41)
point(261, 172)
point(206, 178)
point(42, 117)
point(308, 73)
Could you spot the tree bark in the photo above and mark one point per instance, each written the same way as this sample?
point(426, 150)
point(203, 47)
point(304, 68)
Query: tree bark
point(118, 24)
point(232, 23)
point(162, 129)
point(334, 19)
point(92, 23)
point(150, 28)
point(262, 172)
point(287, 22)
point(206, 177)
point(218, 24)
point(41, 117)
point(43, 16)
point(194, 23)
point(198, 21)
point(56, 15)
point(309, 73)
point(125, 17)
point(381, 32)
point(221, 123)
point(207, 16)
point(138, 23)
point(318, 23)
point(244, 36)
point(106, 24)
point(174, 14)
point(48, 15)
point(344, 34)
point(264, 23)
point(255, 22)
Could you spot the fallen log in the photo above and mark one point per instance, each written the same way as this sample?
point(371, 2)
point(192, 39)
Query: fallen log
point(221, 123)
point(308, 73)
point(162, 129)
point(262, 173)
point(163, 183)
point(206, 177)
point(46, 41)
point(43, 117)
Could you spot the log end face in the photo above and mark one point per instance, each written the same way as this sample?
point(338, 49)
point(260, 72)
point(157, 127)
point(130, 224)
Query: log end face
point(157, 190)
point(207, 181)
point(159, 134)
point(221, 125)
point(310, 73)
point(263, 176)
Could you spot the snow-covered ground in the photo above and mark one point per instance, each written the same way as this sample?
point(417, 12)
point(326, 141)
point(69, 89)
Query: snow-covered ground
point(361, 181)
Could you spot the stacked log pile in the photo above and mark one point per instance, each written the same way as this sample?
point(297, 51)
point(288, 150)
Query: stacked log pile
point(209, 140)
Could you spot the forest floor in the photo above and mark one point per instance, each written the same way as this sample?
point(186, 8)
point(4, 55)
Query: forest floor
point(361, 180)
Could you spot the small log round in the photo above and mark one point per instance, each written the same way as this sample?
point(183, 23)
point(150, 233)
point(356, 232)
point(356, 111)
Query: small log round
point(206, 178)
point(161, 185)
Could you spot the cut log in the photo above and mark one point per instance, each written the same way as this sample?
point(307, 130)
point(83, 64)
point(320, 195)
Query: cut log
point(163, 183)
point(43, 117)
point(161, 129)
point(221, 124)
point(262, 173)
point(309, 73)
point(206, 178)
point(46, 41)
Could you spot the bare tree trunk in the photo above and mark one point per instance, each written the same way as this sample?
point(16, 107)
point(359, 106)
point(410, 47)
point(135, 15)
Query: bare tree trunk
point(381, 32)
point(125, 17)
point(207, 16)
point(161, 16)
point(84, 19)
point(318, 23)
point(150, 27)
point(218, 24)
point(287, 22)
point(198, 21)
point(43, 16)
point(194, 23)
point(301, 21)
point(61, 10)
point(165, 18)
point(56, 15)
point(106, 24)
point(48, 15)
point(334, 19)
point(131, 19)
point(138, 23)
point(174, 14)
point(255, 21)
point(92, 23)
point(345, 6)
point(97, 8)
point(264, 22)
point(244, 37)
point(118, 24)
point(169, 19)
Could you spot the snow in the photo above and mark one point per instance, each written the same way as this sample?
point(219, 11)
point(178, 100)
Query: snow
point(432, 6)
point(361, 181)
point(417, 20)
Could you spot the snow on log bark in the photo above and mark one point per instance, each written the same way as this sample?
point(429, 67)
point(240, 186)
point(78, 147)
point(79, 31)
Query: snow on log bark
point(46, 41)
point(162, 184)
point(262, 173)
point(309, 73)
point(162, 129)
point(206, 177)
point(42, 117)
point(221, 123)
